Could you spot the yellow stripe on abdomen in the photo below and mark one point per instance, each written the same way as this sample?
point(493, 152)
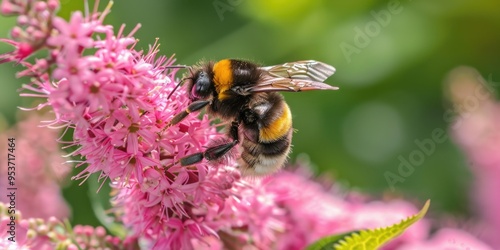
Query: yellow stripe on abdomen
point(223, 76)
point(278, 128)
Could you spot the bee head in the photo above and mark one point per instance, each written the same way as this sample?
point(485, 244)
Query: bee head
point(200, 85)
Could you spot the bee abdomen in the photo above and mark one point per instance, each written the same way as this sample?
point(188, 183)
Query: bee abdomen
point(265, 157)
point(278, 126)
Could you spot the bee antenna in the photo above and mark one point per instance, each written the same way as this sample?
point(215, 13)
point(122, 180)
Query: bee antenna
point(182, 81)
point(177, 66)
point(176, 87)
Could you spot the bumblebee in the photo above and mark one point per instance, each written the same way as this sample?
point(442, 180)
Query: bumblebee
point(245, 94)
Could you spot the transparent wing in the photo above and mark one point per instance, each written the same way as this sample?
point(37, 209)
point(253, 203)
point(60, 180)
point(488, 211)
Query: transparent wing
point(270, 84)
point(292, 77)
point(301, 70)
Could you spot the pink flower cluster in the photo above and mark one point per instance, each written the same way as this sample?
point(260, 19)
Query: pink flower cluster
point(33, 19)
point(39, 169)
point(119, 101)
point(289, 211)
point(40, 234)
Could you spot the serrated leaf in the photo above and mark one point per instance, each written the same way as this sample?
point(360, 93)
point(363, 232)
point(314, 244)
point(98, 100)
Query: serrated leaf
point(329, 241)
point(369, 239)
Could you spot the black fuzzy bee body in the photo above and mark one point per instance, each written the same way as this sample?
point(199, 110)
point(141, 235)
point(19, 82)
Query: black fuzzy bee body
point(246, 95)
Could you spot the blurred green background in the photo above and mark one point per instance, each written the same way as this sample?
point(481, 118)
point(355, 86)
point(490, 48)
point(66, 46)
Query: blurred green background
point(391, 59)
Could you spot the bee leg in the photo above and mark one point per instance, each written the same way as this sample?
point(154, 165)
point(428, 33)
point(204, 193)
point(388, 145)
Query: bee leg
point(215, 152)
point(212, 153)
point(194, 106)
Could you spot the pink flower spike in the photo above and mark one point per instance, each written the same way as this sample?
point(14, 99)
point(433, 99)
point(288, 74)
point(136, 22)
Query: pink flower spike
point(8, 8)
point(53, 4)
point(76, 31)
point(22, 50)
point(43, 169)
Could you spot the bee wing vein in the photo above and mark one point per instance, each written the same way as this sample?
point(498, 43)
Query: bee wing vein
point(270, 83)
point(301, 70)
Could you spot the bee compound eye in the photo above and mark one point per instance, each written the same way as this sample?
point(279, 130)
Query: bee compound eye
point(202, 85)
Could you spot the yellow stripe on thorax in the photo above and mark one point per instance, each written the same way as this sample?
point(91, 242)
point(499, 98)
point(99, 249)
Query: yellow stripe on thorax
point(278, 128)
point(223, 77)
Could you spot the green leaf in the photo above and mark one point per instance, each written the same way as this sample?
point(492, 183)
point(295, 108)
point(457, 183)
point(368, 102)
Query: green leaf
point(329, 241)
point(99, 195)
point(368, 239)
